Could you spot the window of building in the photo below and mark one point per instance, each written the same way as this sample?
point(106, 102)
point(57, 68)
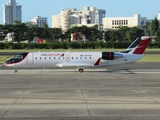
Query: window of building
point(126, 22)
point(112, 22)
point(119, 22)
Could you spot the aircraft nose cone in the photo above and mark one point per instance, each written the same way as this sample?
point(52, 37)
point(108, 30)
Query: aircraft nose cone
point(4, 64)
point(1, 65)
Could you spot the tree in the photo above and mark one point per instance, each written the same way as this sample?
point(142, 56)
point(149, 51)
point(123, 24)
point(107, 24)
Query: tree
point(115, 35)
point(19, 30)
point(154, 29)
point(54, 33)
point(146, 28)
point(133, 33)
point(30, 33)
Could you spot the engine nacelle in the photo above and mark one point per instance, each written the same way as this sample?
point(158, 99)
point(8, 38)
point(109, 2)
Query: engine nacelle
point(107, 55)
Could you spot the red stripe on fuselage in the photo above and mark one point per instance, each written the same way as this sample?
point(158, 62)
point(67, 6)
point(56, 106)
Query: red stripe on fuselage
point(97, 62)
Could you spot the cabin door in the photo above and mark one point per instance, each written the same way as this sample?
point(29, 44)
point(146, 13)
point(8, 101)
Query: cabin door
point(30, 59)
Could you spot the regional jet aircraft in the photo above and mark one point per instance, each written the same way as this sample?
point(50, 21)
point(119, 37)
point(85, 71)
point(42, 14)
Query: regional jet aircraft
point(79, 60)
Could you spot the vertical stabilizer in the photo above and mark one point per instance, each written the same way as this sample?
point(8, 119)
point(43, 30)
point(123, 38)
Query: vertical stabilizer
point(139, 45)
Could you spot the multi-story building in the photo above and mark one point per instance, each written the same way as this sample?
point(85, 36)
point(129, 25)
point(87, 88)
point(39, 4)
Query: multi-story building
point(12, 12)
point(39, 21)
point(115, 22)
point(158, 17)
point(67, 17)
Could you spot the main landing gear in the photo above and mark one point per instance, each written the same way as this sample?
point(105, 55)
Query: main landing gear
point(80, 70)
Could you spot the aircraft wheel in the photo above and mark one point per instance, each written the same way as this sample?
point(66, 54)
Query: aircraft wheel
point(80, 70)
point(15, 70)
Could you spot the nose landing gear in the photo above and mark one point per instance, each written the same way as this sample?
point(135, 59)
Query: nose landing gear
point(15, 70)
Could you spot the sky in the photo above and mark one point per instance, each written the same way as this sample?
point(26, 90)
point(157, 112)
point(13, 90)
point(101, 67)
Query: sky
point(114, 8)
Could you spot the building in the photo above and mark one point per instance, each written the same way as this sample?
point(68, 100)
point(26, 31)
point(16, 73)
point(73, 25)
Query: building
point(39, 21)
point(12, 12)
point(115, 22)
point(158, 17)
point(68, 17)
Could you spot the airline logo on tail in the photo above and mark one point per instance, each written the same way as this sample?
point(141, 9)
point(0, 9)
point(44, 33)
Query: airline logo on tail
point(139, 45)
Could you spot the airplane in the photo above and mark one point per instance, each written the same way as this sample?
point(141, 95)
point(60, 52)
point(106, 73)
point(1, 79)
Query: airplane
point(80, 60)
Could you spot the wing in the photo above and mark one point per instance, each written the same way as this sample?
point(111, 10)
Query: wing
point(74, 65)
point(79, 64)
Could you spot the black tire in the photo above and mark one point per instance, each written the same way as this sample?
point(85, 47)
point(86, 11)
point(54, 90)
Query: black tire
point(15, 70)
point(80, 70)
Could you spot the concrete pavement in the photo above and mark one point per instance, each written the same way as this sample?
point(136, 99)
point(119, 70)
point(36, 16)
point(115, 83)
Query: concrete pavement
point(69, 95)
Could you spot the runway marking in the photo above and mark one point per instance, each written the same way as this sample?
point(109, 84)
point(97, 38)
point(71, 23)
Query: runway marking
point(81, 89)
point(17, 98)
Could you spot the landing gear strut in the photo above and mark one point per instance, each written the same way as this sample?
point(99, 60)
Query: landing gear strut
point(15, 70)
point(80, 70)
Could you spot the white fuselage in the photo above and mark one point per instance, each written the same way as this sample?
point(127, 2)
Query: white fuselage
point(71, 59)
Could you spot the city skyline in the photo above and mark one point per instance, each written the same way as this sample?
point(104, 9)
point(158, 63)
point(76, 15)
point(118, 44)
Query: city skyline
point(114, 8)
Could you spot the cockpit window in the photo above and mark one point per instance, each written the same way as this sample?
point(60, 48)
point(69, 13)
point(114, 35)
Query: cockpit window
point(18, 56)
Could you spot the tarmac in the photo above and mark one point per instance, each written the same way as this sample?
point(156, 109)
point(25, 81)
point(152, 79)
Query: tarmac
point(65, 94)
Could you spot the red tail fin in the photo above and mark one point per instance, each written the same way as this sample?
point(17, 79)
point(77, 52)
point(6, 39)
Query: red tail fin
point(140, 48)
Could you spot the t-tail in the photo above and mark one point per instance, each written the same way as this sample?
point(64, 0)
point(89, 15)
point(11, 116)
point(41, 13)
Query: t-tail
point(139, 45)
